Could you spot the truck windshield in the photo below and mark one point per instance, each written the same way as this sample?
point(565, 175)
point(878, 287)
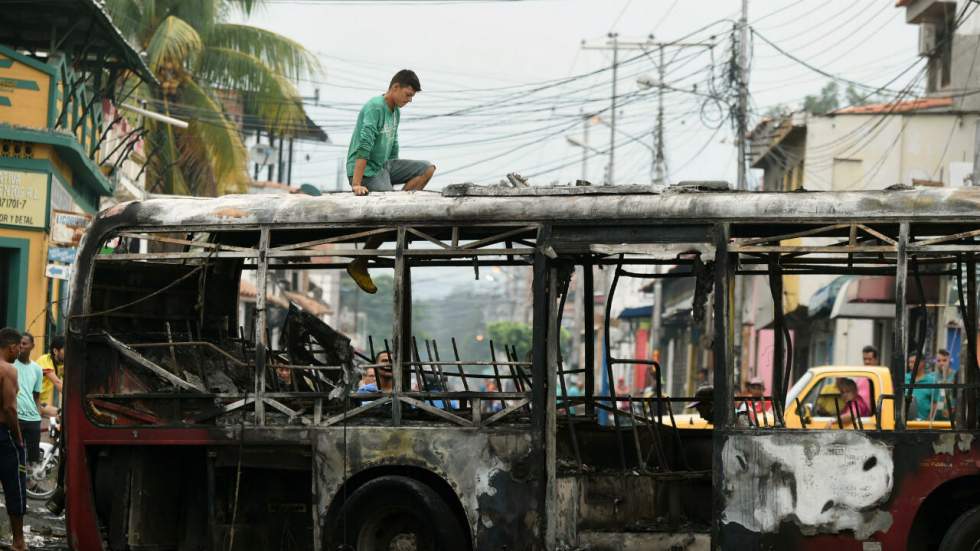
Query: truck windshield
point(797, 388)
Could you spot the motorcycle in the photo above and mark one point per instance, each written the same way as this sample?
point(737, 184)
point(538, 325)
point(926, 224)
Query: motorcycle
point(42, 477)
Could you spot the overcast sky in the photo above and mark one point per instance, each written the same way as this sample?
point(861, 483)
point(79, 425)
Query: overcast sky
point(494, 99)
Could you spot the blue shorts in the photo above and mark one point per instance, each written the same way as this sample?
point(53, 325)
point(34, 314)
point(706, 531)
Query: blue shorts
point(395, 172)
point(13, 474)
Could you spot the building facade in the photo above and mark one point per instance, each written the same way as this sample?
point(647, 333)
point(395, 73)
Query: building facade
point(60, 62)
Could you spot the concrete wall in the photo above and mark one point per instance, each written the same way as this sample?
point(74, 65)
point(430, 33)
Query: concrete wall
point(857, 152)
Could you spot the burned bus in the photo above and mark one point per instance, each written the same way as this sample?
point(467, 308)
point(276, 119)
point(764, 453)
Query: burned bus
point(184, 433)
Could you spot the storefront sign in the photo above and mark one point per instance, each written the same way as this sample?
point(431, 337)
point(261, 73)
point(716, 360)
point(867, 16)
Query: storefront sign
point(23, 198)
point(64, 255)
point(57, 271)
point(67, 228)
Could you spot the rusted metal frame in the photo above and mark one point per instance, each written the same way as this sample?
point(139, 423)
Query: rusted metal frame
point(261, 323)
point(801, 413)
point(437, 369)
point(188, 242)
point(139, 359)
point(451, 394)
point(943, 239)
point(402, 324)
point(503, 376)
point(921, 336)
point(462, 372)
point(637, 447)
point(441, 413)
point(900, 337)
point(877, 234)
point(467, 362)
point(815, 249)
point(588, 312)
point(345, 252)
point(205, 344)
point(973, 374)
point(656, 447)
point(455, 237)
point(779, 323)
point(540, 461)
point(496, 372)
point(441, 253)
point(428, 238)
point(357, 411)
point(723, 373)
point(517, 406)
point(606, 342)
point(416, 366)
point(459, 372)
point(553, 330)
point(497, 238)
point(938, 249)
point(840, 420)
point(334, 239)
point(172, 256)
point(804, 233)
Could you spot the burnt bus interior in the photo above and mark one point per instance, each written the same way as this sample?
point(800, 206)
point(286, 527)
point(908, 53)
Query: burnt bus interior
point(165, 348)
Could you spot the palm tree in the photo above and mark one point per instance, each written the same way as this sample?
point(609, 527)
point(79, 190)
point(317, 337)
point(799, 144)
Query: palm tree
point(199, 57)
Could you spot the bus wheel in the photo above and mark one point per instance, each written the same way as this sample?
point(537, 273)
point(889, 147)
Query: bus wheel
point(397, 513)
point(964, 534)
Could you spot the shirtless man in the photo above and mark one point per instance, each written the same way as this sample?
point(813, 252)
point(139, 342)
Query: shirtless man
point(13, 455)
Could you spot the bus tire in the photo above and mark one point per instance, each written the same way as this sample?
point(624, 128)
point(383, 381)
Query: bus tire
point(964, 534)
point(391, 509)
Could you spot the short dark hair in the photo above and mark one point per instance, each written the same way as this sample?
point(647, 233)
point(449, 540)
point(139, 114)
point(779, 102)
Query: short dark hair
point(943, 352)
point(849, 384)
point(28, 335)
point(57, 341)
point(406, 77)
point(9, 336)
point(870, 350)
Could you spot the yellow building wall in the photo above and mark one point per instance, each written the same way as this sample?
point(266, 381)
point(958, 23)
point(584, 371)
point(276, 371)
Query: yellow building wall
point(37, 283)
point(27, 107)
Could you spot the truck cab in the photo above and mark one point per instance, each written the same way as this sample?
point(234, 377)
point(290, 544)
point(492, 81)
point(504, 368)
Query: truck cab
point(814, 401)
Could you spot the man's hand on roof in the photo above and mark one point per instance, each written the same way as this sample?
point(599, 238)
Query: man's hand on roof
point(360, 190)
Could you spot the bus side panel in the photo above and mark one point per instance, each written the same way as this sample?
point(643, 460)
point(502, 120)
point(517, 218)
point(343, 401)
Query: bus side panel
point(834, 489)
point(490, 473)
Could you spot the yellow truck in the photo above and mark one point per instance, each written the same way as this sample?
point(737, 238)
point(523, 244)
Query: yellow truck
point(811, 401)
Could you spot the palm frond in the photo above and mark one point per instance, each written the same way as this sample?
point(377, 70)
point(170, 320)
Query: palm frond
point(285, 56)
point(271, 96)
point(222, 144)
point(174, 41)
point(127, 16)
point(246, 6)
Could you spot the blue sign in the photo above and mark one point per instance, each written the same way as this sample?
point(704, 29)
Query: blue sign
point(64, 255)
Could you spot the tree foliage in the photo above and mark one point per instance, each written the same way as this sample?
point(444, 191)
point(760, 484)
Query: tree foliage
point(824, 102)
point(200, 59)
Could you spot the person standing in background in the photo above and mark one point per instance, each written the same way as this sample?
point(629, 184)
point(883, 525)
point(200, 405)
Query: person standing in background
point(53, 368)
point(29, 377)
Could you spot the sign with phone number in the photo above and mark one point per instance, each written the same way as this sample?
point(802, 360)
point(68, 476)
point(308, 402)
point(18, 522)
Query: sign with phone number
point(23, 198)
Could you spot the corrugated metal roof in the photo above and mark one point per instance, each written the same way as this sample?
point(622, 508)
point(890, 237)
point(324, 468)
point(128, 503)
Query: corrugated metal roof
point(921, 104)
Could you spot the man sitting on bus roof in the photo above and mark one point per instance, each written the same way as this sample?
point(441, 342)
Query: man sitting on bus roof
point(372, 157)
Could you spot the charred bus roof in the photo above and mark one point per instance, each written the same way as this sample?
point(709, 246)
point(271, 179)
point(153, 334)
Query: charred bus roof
point(557, 205)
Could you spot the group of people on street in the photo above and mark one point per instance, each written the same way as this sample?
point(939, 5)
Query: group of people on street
point(27, 392)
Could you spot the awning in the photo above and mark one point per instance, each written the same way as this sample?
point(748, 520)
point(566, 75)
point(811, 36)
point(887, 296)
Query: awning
point(873, 297)
point(643, 312)
point(822, 302)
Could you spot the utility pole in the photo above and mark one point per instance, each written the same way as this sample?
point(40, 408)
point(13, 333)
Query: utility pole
point(612, 116)
point(659, 168)
point(585, 150)
point(743, 93)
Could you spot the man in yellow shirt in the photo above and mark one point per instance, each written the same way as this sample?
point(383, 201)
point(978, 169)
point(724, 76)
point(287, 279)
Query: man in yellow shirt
point(53, 367)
